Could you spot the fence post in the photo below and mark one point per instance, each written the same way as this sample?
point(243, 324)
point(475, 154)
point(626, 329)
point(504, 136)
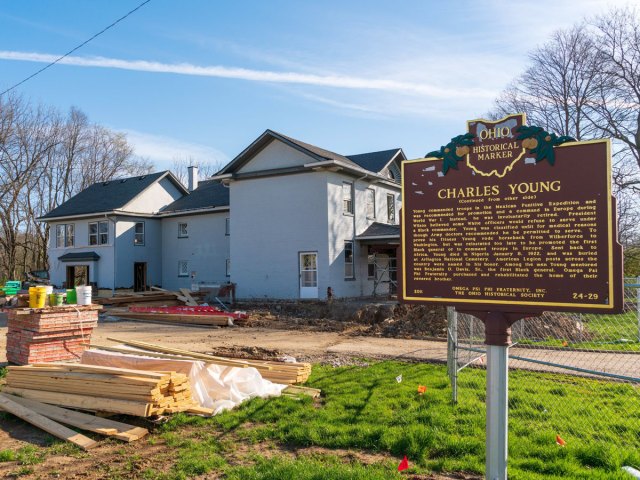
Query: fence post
point(638, 305)
point(452, 351)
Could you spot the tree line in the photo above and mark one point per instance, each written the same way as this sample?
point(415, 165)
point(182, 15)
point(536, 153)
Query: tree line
point(584, 82)
point(46, 157)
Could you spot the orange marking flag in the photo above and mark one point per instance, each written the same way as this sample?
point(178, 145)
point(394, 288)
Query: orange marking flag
point(560, 441)
point(421, 389)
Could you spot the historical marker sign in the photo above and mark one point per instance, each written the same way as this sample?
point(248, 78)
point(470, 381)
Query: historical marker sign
point(512, 218)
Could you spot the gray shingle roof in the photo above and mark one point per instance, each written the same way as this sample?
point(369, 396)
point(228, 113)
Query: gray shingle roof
point(374, 161)
point(377, 229)
point(105, 196)
point(209, 194)
point(369, 161)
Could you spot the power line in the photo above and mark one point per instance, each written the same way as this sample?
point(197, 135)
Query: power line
point(76, 48)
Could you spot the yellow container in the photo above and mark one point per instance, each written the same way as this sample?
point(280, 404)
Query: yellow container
point(41, 297)
point(32, 297)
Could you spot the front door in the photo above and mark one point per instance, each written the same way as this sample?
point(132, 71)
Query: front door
point(77, 275)
point(308, 275)
point(139, 276)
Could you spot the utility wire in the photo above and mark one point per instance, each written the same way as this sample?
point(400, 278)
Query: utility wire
point(76, 48)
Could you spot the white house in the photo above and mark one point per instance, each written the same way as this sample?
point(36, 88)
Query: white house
point(305, 219)
point(284, 219)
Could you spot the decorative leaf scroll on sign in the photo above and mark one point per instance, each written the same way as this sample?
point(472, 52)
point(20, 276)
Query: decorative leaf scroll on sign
point(492, 148)
point(540, 142)
point(453, 152)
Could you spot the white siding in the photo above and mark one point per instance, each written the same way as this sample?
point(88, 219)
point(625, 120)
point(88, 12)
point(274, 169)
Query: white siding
point(206, 249)
point(100, 271)
point(129, 253)
point(273, 220)
point(158, 195)
point(276, 155)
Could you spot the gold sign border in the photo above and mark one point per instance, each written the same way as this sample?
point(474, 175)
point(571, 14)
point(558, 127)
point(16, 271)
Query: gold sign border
point(509, 167)
point(611, 298)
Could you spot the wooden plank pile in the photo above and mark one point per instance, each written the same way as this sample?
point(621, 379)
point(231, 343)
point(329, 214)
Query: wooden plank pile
point(49, 334)
point(157, 296)
point(46, 417)
point(278, 372)
point(88, 387)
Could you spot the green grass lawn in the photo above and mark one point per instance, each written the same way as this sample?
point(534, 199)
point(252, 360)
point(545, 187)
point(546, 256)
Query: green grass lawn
point(605, 332)
point(364, 409)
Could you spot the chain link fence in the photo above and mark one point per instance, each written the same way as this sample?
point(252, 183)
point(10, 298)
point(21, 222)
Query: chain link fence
point(573, 375)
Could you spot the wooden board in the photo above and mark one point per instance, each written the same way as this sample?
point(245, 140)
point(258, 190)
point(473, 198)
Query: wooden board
point(84, 421)
point(214, 320)
point(46, 424)
point(77, 367)
point(190, 300)
point(83, 402)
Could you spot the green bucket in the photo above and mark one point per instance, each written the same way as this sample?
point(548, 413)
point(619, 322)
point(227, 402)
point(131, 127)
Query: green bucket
point(72, 299)
point(56, 299)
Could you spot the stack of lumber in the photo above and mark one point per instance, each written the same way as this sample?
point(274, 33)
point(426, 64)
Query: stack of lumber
point(157, 296)
point(188, 315)
point(45, 417)
point(88, 387)
point(50, 334)
point(278, 372)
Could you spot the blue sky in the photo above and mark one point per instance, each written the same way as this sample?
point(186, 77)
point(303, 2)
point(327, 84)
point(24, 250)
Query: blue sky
point(202, 79)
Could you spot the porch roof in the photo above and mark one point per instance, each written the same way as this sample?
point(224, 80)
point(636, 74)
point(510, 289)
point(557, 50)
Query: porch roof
point(381, 232)
point(79, 256)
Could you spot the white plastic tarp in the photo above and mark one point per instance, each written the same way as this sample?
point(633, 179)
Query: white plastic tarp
point(214, 386)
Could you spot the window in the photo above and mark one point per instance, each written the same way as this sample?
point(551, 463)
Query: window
point(65, 235)
point(227, 227)
point(371, 267)
point(347, 198)
point(391, 208)
point(98, 233)
point(69, 240)
point(371, 203)
point(348, 260)
point(103, 231)
point(183, 268)
point(182, 230)
point(227, 268)
point(59, 236)
point(138, 234)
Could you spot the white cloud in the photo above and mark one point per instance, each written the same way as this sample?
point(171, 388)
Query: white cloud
point(162, 150)
point(421, 88)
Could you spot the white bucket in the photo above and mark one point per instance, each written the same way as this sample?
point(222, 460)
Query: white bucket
point(49, 290)
point(84, 295)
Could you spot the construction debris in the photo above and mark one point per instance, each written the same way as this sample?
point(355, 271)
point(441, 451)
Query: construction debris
point(188, 315)
point(277, 372)
point(155, 297)
point(49, 334)
point(87, 387)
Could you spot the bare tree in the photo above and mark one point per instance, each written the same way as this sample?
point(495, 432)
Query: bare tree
point(554, 91)
point(45, 158)
point(615, 110)
point(205, 169)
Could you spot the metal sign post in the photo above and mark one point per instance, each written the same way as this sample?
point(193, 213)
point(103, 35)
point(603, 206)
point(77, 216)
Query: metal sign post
point(497, 411)
point(497, 339)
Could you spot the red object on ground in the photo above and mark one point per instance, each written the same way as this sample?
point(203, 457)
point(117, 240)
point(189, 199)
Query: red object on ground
point(404, 464)
point(560, 441)
point(421, 389)
point(187, 310)
point(49, 334)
